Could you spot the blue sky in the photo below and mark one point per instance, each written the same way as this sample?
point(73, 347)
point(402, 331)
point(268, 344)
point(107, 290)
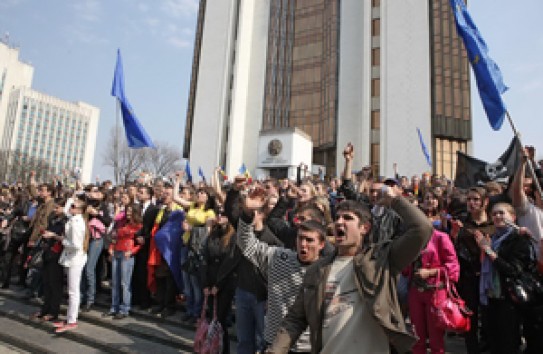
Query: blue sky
point(72, 46)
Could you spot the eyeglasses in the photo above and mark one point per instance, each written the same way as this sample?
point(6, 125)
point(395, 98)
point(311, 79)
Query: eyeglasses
point(75, 206)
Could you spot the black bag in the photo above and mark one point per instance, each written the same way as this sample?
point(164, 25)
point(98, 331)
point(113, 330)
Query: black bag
point(192, 263)
point(36, 258)
point(20, 230)
point(526, 289)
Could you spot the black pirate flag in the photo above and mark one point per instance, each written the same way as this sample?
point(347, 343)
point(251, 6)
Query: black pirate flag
point(471, 171)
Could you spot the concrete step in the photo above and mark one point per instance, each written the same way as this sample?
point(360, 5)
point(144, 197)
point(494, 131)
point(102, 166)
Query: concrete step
point(135, 337)
point(17, 337)
point(133, 334)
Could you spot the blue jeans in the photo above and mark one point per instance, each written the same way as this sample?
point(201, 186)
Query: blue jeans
point(121, 278)
point(193, 294)
point(88, 283)
point(249, 323)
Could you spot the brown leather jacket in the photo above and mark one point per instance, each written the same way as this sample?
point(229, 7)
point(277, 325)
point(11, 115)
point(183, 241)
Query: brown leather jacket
point(376, 269)
point(41, 218)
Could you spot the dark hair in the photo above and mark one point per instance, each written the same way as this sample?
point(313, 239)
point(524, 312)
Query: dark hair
point(361, 211)
point(210, 204)
point(149, 190)
point(313, 225)
point(314, 212)
point(60, 201)
point(50, 188)
point(479, 190)
point(137, 212)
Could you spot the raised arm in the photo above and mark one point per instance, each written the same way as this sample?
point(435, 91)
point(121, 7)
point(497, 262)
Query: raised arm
point(216, 185)
point(418, 229)
point(256, 251)
point(176, 198)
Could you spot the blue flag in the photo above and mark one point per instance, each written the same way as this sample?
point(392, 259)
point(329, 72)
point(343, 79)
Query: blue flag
point(187, 172)
point(242, 169)
point(487, 73)
point(135, 134)
point(201, 174)
point(424, 149)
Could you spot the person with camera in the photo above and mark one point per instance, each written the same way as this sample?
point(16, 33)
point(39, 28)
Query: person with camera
point(99, 221)
point(469, 257)
point(507, 255)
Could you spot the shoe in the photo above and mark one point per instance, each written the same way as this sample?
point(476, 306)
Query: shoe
point(109, 314)
point(49, 318)
point(156, 310)
point(186, 317)
point(66, 327)
point(167, 312)
point(59, 324)
point(5, 286)
point(87, 308)
point(36, 316)
point(120, 316)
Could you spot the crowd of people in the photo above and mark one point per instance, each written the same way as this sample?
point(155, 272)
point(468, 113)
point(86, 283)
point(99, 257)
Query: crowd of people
point(342, 265)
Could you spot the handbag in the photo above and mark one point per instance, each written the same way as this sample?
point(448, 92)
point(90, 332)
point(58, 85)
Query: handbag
point(213, 342)
point(201, 329)
point(20, 230)
point(450, 312)
point(36, 259)
point(526, 288)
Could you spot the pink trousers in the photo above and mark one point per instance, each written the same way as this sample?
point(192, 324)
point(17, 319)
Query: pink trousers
point(422, 320)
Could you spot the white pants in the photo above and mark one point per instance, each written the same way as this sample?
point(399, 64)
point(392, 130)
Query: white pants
point(74, 292)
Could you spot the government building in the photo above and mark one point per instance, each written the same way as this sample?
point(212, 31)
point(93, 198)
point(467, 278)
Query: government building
point(38, 131)
point(276, 83)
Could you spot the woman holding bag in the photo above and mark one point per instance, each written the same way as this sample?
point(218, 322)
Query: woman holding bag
point(220, 258)
point(507, 254)
point(427, 283)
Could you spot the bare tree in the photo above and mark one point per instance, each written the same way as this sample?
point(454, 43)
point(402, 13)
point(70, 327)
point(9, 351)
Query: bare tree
point(17, 165)
point(163, 160)
point(126, 162)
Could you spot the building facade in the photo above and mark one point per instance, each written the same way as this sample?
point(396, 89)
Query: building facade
point(367, 72)
point(41, 132)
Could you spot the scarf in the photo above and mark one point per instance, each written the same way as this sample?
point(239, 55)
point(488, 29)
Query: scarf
point(490, 279)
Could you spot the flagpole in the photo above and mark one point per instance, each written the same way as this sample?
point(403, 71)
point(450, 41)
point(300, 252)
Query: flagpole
point(530, 166)
point(116, 143)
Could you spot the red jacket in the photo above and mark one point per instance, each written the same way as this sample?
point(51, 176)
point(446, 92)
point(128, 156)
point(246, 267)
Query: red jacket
point(125, 239)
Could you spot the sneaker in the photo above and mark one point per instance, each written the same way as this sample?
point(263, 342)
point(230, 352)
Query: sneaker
point(109, 314)
point(87, 307)
point(156, 310)
point(66, 327)
point(120, 316)
point(167, 312)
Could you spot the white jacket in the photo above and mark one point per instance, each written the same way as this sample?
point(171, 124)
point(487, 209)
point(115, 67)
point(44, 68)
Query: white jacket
point(74, 237)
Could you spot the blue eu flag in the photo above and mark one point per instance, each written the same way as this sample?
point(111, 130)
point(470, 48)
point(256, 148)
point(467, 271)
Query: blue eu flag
point(201, 174)
point(242, 169)
point(487, 73)
point(187, 172)
point(424, 149)
point(135, 134)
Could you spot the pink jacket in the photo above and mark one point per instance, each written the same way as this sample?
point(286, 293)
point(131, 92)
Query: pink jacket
point(439, 253)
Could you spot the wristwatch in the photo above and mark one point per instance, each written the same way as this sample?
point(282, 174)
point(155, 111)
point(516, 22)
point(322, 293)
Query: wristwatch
point(489, 251)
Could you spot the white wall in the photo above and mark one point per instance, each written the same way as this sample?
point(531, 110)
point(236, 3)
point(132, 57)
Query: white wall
point(249, 82)
point(405, 85)
point(18, 74)
point(354, 106)
point(212, 88)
